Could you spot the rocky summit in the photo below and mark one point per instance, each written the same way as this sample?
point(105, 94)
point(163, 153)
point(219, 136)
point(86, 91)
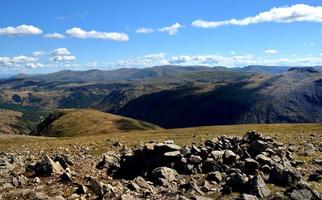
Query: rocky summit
point(249, 168)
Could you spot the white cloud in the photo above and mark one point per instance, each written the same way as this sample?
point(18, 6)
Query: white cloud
point(244, 60)
point(154, 56)
point(17, 61)
point(20, 30)
point(80, 33)
point(139, 62)
point(271, 51)
point(62, 55)
point(38, 53)
point(171, 30)
point(144, 30)
point(92, 65)
point(295, 13)
point(54, 36)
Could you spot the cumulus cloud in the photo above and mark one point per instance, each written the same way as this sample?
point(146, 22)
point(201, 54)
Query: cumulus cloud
point(80, 33)
point(62, 55)
point(295, 13)
point(244, 60)
point(271, 51)
point(154, 56)
point(38, 53)
point(20, 30)
point(171, 30)
point(139, 62)
point(17, 61)
point(144, 30)
point(54, 36)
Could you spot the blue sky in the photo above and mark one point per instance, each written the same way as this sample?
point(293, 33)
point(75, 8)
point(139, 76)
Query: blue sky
point(38, 36)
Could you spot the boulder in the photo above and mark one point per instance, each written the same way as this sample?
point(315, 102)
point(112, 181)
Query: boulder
point(66, 177)
point(214, 176)
point(302, 190)
point(284, 176)
point(96, 186)
point(172, 154)
point(256, 147)
point(309, 149)
point(81, 189)
point(250, 166)
point(110, 161)
point(246, 197)
point(315, 177)
point(162, 175)
point(63, 160)
point(236, 182)
point(217, 154)
point(47, 167)
point(195, 159)
point(258, 187)
point(19, 181)
point(143, 184)
point(229, 156)
point(163, 147)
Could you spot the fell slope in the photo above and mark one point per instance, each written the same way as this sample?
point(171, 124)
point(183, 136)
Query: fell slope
point(11, 122)
point(73, 122)
point(294, 96)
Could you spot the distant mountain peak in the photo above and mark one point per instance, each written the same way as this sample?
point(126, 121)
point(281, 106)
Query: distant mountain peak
point(303, 70)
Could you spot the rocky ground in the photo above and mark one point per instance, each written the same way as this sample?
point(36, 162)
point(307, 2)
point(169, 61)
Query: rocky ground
point(249, 167)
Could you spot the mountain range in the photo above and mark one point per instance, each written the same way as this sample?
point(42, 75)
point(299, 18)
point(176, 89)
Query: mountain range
point(174, 96)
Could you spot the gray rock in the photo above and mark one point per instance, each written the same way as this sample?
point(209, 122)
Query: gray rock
point(39, 196)
point(195, 159)
point(63, 160)
point(172, 154)
point(143, 184)
point(96, 186)
point(229, 156)
point(164, 173)
point(162, 147)
point(36, 180)
point(57, 198)
point(81, 189)
point(7, 186)
point(134, 186)
point(315, 177)
point(185, 151)
point(217, 154)
point(256, 147)
point(168, 142)
point(302, 190)
point(264, 159)
point(19, 181)
point(236, 182)
point(110, 161)
point(300, 194)
point(195, 149)
point(47, 167)
point(127, 197)
point(214, 176)
point(309, 149)
point(246, 197)
point(250, 166)
point(258, 187)
point(66, 177)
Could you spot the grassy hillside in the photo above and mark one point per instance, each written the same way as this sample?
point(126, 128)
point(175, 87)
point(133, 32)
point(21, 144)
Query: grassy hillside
point(294, 96)
point(73, 122)
point(11, 122)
